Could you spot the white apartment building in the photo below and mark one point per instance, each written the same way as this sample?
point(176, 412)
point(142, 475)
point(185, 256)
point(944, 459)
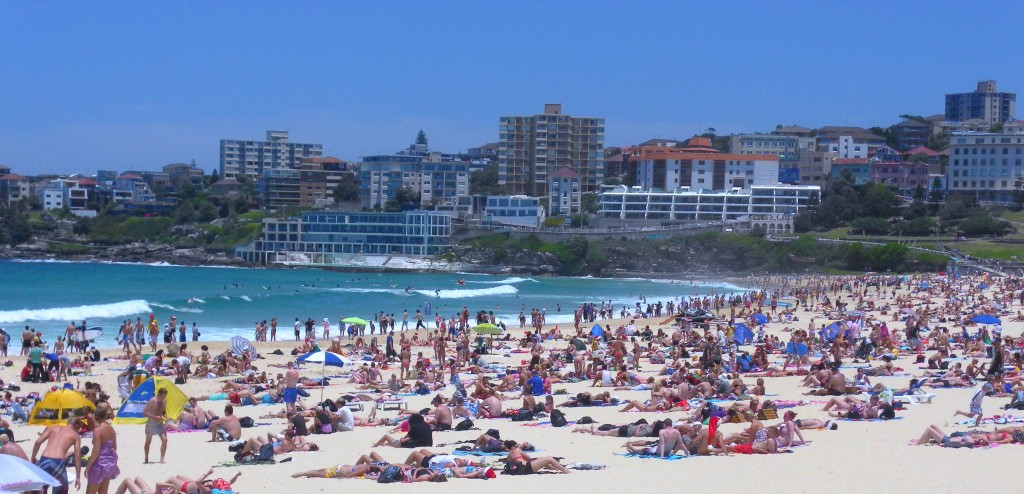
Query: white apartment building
point(687, 204)
point(250, 158)
point(985, 164)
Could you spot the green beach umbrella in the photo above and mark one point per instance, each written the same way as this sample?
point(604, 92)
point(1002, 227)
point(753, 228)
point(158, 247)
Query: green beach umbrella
point(358, 321)
point(487, 328)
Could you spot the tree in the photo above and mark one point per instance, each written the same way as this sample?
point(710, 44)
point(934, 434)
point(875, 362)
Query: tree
point(589, 203)
point(1018, 192)
point(485, 182)
point(935, 195)
point(421, 138)
point(346, 191)
point(919, 193)
point(879, 200)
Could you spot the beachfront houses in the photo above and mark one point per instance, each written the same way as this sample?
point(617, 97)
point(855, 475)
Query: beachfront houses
point(13, 187)
point(336, 237)
point(531, 148)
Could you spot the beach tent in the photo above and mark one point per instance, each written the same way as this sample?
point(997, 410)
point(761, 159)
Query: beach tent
point(832, 330)
point(56, 405)
point(986, 319)
point(761, 318)
point(597, 330)
point(742, 334)
point(130, 411)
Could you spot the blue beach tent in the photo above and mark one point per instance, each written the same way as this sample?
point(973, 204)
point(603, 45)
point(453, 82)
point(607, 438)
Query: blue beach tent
point(742, 334)
point(597, 330)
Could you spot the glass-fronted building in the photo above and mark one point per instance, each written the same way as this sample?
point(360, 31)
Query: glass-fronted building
point(329, 237)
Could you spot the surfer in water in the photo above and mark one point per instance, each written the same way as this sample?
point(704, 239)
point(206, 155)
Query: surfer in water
point(437, 293)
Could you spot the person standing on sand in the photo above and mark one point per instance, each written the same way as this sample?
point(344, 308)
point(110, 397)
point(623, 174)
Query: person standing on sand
point(156, 418)
point(60, 439)
point(291, 387)
point(154, 331)
point(297, 325)
point(273, 329)
point(102, 466)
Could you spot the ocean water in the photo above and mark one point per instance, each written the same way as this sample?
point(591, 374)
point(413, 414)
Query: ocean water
point(46, 295)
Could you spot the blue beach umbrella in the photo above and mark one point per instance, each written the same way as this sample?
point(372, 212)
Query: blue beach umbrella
point(597, 330)
point(761, 318)
point(324, 359)
point(240, 345)
point(986, 319)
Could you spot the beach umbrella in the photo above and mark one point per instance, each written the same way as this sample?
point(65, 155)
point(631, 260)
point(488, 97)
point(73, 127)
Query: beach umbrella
point(630, 330)
point(18, 475)
point(55, 406)
point(487, 328)
point(597, 330)
point(761, 318)
point(358, 321)
point(986, 319)
point(324, 359)
point(240, 345)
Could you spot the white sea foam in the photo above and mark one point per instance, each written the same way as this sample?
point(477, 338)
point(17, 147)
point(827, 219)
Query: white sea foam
point(246, 298)
point(114, 310)
point(507, 281)
point(393, 291)
point(193, 310)
point(469, 293)
point(198, 300)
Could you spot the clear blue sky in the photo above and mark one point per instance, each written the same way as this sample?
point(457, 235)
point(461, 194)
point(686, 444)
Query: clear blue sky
point(113, 85)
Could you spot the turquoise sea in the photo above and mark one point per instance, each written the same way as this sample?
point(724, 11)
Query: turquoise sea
point(228, 301)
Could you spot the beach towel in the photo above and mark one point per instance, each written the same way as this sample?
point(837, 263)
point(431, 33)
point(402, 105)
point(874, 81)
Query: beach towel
point(656, 457)
point(844, 419)
point(479, 453)
point(546, 423)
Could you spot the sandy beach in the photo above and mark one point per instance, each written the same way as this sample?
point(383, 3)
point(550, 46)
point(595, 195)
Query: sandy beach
point(868, 456)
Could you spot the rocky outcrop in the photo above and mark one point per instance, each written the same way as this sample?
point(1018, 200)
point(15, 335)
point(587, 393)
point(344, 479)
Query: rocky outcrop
point(138, 252)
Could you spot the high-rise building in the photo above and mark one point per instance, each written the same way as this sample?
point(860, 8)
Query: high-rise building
point(531, 148)
point(251, 158)
point(985, 104)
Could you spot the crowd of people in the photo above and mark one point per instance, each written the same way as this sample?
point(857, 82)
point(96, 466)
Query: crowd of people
point(701, 368)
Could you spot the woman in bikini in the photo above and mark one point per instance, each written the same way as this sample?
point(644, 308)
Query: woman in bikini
point(519, 463)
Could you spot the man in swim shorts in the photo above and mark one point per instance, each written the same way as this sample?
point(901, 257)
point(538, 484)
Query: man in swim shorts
point(291, 391)
point(156, 417)
point(59, 440)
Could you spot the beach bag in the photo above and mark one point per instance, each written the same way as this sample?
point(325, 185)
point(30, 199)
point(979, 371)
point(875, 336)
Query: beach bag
point(390, 475)
point(465, 425)
point(558, 418)
point(585, 420)
point(266, 453)
point(495, 433)
point(246, 422)
point(522, 416)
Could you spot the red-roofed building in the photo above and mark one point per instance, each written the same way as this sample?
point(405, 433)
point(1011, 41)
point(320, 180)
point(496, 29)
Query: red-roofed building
point(13, 188)
point(699, 166)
